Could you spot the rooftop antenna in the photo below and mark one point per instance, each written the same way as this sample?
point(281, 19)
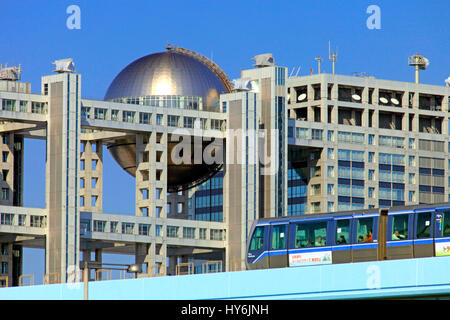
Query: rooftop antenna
point(292, 72)
point(419, 63)
point(332, 55)
point(298, 70)
point(319, 60)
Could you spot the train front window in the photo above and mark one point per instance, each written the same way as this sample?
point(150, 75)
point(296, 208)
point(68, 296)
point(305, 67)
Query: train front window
point(310, 235)
point(423, 225)
point(343, 231)
point(278, 237)
point(364, 229)
point(399, 228)
point(257, 242)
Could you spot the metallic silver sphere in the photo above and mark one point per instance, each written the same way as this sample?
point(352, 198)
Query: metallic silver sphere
point(164, 74)
point(160, 76)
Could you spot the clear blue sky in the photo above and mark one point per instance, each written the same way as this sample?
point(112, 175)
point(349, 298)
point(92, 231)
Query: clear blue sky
point(114, 33)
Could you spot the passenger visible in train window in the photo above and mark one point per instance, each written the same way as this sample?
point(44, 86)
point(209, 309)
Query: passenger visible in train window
point(341, 240)
point(319, 242)
point(360, 239)
point(368, 236)
point(397, 236)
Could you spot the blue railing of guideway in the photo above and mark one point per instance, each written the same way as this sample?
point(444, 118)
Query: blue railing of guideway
point(365, 280)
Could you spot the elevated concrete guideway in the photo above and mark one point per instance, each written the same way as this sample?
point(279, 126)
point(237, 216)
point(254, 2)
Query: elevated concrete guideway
point(409, 278)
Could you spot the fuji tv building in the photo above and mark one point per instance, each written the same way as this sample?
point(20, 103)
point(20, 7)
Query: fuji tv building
point(209, 157)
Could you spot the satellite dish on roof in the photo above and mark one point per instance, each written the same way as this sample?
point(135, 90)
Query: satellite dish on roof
point(395, 101)
point(302, 97)
point(447, 82)
point(356, 97)
point(383, 100)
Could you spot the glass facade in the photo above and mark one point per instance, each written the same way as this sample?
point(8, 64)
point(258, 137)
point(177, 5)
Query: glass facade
point(297, 191)
point(209, 199)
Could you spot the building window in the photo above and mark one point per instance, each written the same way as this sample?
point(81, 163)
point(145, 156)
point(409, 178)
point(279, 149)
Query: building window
point(145, 117)
point(159, 119)
point(93, 201)
point(172, 231)
point(114, 226)
point(5, 194)
point(94, 165)
point(371, 158)
point(330, 135)
point(94, 183)
point(144, 229)
point(172, 121)
point(316, 134)
point(315, 189)
point(81, 183)
point(4, 267)
point(315, 207)
point(188, 233)
point(330, 189)
point(99, 226)
point(5, 156)
point(330, 153)
point(330, 171)
point(371, 139)
point(330, 206)
point(144, 193)
point(188, 122)
point(82, 163)
point(159, 230)
point(127, 227)
point(7, 218)
point(128, 116)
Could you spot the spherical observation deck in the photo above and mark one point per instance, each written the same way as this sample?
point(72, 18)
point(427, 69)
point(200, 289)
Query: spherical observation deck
point(169, 79)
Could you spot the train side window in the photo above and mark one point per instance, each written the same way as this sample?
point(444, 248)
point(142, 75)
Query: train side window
point(257, 242)
point(423, 227)
point(342, 231)
point(446, 224)
point(399, 227)
point(310, 234)
point(364, 229)
point(278, 237)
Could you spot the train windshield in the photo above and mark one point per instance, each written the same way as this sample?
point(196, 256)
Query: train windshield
point(257, 242)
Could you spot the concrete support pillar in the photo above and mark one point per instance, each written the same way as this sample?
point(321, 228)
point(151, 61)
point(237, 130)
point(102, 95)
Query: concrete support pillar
point(151, 195)
point(62, 173)
point(91, 176)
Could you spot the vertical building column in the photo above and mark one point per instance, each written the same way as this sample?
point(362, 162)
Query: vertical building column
point(92, 177)
point(62, 174)
point(151, 194)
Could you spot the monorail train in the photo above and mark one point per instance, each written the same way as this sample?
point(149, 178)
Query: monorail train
point(354, 236)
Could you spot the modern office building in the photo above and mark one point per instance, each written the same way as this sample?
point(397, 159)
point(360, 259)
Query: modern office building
point(209, 157)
